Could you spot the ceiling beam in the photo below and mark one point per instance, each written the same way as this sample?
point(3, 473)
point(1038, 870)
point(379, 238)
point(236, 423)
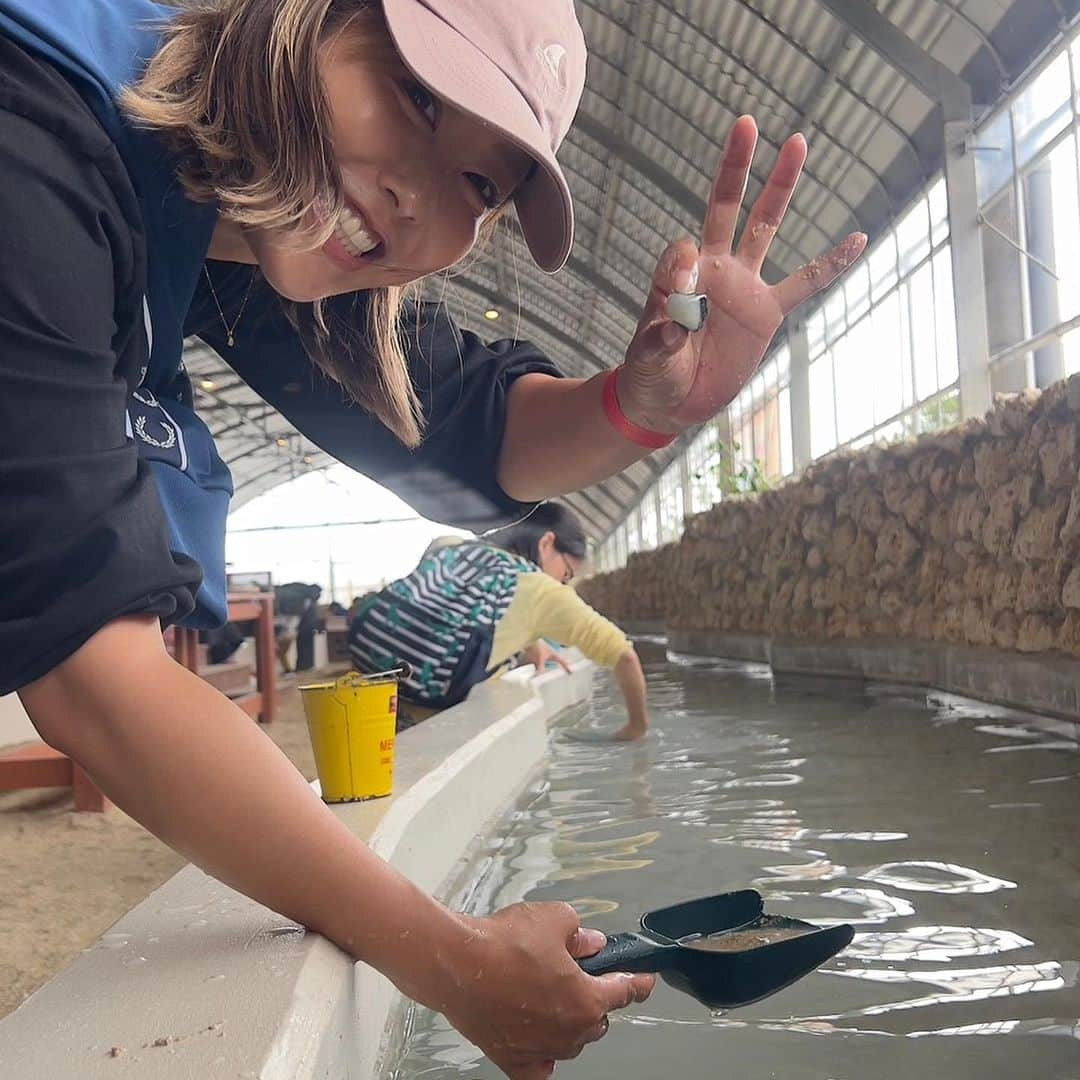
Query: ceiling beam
point(937, 81)
point(628, 80)
point(678, 192)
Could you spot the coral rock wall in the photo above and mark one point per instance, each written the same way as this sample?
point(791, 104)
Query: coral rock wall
point(966, 536)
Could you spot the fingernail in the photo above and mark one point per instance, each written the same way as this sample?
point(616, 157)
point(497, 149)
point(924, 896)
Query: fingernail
point(686, 280)
point(593, 939)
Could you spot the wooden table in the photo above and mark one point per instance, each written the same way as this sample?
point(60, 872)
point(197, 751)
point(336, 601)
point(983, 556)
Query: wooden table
point(38, 765)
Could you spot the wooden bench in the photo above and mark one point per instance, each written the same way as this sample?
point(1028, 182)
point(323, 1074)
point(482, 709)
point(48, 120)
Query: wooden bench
point(39, 766)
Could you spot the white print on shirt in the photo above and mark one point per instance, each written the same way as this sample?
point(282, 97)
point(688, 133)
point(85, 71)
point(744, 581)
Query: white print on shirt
point(148, 323)
point(167, 433)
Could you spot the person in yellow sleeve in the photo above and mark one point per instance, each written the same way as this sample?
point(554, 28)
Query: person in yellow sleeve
point(471, 607)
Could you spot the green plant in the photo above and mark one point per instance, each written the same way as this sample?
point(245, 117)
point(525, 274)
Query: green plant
point(748, 479)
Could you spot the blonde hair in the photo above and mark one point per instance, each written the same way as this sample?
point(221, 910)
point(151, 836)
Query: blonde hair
point(235, 88)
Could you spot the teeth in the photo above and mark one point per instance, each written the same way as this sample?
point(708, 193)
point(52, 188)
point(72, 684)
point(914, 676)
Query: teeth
point(351, 232)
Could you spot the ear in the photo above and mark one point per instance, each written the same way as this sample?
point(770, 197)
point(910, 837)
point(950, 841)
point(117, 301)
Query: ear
point(546, 544)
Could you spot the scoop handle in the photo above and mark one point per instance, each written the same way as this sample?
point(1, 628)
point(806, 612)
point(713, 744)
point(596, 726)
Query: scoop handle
point(626, 952)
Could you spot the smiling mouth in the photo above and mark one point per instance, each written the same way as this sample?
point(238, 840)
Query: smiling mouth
point(355, 236)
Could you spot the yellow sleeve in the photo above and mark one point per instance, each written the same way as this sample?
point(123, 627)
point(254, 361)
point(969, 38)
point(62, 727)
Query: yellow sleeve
point(542, 608)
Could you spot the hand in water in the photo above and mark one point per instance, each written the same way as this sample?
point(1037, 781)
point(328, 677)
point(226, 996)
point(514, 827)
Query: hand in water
point(673, 380)
point(520, 996)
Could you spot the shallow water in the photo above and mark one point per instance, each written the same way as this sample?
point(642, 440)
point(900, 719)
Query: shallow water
point(944, 830)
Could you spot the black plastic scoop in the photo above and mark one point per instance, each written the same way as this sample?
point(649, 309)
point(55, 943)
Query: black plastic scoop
point(724, 950)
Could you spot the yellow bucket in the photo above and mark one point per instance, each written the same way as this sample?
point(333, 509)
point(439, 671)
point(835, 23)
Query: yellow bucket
point(352, 723)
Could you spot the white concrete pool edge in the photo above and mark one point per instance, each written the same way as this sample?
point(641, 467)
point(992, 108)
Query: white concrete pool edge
point(197, 980)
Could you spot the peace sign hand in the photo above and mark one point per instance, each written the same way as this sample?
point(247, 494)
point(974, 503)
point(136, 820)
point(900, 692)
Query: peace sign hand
point(671, 379)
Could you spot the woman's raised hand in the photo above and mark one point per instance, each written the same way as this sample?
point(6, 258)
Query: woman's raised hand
point(672, 379)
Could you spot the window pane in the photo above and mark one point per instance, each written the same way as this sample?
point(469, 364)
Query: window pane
point(882, 263)
point(787, 450)
point(758, 386)
point(994, 160)
point(649, 534)
point(906, 372)
point(835, 315)
point(822, 407)
point(783, 365)
point(854, 362)
point(939, 212)
point(947, 357)
point(1004, 280)
point(1043, 109)
point(769, 373)
point(744, 452)
point(888, 359)
point(769, 422)
point(815, 331)
point(913, 236)
point(857, 291)
point(1071, 345)
point(1052, 216)
point(924, 333)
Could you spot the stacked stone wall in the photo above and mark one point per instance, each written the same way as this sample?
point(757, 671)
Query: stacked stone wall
point(966, 536)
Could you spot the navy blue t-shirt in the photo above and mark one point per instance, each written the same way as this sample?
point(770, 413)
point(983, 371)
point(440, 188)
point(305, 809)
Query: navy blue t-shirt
point(112, 497)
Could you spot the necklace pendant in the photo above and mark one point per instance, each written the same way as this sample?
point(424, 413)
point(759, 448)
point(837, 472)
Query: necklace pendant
point(231, 341)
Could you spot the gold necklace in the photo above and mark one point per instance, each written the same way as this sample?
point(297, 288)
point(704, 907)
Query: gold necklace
point(230, 331)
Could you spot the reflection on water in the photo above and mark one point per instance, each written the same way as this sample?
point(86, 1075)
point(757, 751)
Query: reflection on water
point(945, 878)
point(969, 985)
point(934, 943)
point(897, 812)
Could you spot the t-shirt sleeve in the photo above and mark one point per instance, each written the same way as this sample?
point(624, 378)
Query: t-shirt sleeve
point(557, 612)
point(462, 383)
point(84, 538)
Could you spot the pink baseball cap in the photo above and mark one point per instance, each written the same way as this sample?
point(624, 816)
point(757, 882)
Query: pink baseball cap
point(517, 66)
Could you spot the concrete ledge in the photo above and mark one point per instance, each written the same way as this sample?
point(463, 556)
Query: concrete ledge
point(717, 643)
point(199, 981)
point(1040, 683)
point(644, 628)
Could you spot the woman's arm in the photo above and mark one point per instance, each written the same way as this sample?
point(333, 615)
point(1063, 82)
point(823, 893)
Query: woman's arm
point(543, 608)
point(190, 766)
point(557, 438)
point(631, 680)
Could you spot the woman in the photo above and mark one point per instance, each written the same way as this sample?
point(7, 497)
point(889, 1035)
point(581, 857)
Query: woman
point(269, 175)
point(469, 607)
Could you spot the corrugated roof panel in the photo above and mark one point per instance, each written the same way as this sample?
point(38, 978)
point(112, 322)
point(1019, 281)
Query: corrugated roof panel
point(666, 80)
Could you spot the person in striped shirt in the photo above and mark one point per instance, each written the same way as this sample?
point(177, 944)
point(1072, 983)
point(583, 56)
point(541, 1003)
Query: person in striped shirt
point(472, 606)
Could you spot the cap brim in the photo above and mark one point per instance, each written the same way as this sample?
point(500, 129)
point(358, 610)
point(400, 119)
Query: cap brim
point(453, 68)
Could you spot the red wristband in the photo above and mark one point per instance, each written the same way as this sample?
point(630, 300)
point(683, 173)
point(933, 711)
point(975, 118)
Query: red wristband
point(651, 440)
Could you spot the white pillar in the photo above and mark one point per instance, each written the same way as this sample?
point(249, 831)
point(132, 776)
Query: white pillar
point(969, 271)
point(799, 344)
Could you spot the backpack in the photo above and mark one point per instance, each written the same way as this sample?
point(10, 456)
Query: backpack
point(440, 621)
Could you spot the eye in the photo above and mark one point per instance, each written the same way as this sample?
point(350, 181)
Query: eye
point(488, 191)
point(424, 101)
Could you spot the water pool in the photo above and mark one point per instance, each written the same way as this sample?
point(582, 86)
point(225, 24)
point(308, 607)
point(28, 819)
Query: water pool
point(944, 830)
